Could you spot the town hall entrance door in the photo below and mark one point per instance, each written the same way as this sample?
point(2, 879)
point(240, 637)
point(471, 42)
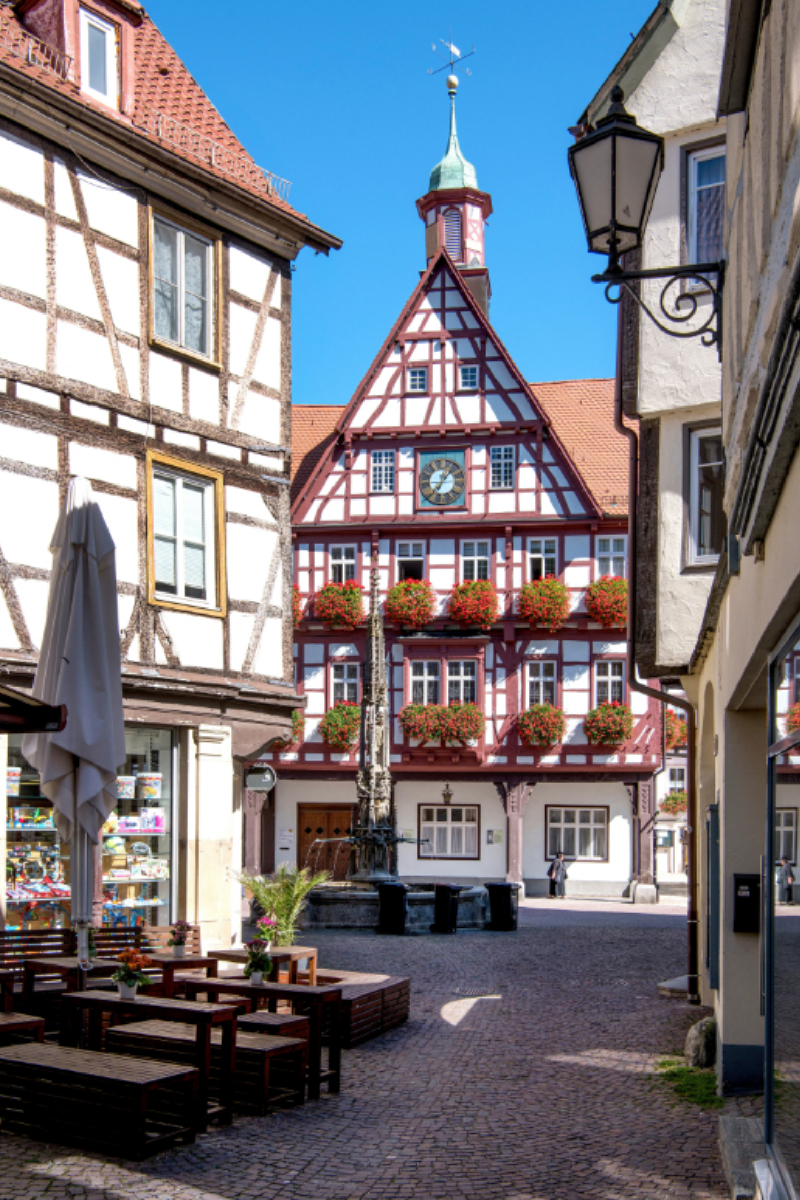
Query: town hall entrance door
point(316, 822)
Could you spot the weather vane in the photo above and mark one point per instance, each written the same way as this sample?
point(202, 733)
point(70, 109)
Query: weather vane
point(454, 57)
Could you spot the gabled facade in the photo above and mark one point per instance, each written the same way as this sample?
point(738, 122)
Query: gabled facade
point(448, 466)
point(145, 343)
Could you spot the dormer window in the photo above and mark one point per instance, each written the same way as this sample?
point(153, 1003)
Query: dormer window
point(99, 72)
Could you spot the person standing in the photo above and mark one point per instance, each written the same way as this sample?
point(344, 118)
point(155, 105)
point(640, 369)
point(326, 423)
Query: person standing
point(557, 874)
point(785, 882)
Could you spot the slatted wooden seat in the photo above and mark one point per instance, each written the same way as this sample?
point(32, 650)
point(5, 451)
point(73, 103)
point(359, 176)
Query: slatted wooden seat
point(13, 1023)
point(105, 1102)
point(282, 1024)
point(253, 1087)
point(371, 1004)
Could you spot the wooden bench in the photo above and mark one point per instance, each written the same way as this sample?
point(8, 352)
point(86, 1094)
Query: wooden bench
point(104, 1102)
point(283, 1024)
point(371, 1004)
point(255, 1053)
point(12, 1023)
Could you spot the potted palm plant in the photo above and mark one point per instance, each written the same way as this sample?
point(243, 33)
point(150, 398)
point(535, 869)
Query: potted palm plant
point(282, 897)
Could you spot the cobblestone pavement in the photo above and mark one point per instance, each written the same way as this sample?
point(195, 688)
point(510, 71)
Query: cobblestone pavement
point(524, 1073)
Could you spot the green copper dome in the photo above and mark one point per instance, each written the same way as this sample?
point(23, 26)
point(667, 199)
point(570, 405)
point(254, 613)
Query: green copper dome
point(453, 171)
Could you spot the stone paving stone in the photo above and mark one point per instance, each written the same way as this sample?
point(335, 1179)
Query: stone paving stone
point(524, 1073)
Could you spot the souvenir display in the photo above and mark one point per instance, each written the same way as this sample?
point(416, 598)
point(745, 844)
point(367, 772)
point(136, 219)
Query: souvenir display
point(13, 775)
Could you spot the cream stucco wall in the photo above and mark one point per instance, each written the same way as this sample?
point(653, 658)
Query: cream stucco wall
point(587, 877)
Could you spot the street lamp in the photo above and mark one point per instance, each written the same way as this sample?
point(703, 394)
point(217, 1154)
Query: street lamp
point(616, 168)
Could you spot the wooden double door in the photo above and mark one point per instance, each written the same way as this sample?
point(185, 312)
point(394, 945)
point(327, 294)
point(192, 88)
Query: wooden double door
point(321, 844)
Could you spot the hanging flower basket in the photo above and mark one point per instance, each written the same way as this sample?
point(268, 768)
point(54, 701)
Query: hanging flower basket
point(609, 724)
point(607, 601)
point(421, 722)
point(793, 718)
point(339, 605)
point(676, 731)
point(474, 603)
point(544, 602)
point(462, 723)
point(339, 727)
point(674, 803)
point(297, 606)
point(541, 725)
point(411, 603)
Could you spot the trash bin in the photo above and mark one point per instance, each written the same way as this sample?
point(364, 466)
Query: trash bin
point(503, 906)
point(392, 907)
point(445, 907)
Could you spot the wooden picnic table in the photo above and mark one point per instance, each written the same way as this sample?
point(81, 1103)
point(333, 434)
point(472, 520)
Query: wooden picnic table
point(168, 963)
point(68, 968)
point(299, 995)
point(204, 1017)
point(293, 955)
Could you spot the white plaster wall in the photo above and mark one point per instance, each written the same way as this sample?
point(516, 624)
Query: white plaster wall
point(249, 553)
point(110, 210)
point(197, 639)
point(269, 656)
point(22, 250)
point(33, 502)
point(21, 168)
point(22, 335)
point(618, 868)
point(492, 861)
point(84, 355)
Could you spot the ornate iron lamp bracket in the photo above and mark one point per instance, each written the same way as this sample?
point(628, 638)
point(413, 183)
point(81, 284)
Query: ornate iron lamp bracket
point(678, 307)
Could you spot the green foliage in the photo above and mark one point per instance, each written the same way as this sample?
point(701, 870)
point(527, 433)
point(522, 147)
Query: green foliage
point(282, 896)
point(690, 1083)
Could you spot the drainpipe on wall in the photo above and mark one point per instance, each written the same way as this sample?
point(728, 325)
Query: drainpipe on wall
point(676, 702)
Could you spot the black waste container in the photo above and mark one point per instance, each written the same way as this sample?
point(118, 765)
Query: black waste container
point(503, 906)
point(392, 907)
point(445, 907)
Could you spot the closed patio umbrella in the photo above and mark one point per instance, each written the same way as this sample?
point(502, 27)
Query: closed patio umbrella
point(79, 667)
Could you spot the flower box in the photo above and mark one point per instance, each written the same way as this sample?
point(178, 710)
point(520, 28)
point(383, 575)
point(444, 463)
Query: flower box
point(297, 606)
point(411, 602)
point(675, 728)
point(609, 724)
point(544, 602)
point(340, 726)
point(607, 601)
point(458, 724)
point(674, 803)
point(541, 725)
point(340, 605)
point(474, 603)
point(793, 718)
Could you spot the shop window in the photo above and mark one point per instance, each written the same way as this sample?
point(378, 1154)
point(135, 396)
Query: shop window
point(542, 557)
point(99, 58)
point(706, 513)
point(343, 563)
point(609, 681)
point(425, 682)
point(185, 535)
point(468, 379)
point(577, 833)
point(541, 683)
point(449, 831)
point(502, 468)
point(382, 471)
point(410, 560)
point(706, 205)
point(345, 682)
point(612, 556)
point(184, 283)
point(462, 682)
point(474, 561)
point(418, 379)
point(786, 834)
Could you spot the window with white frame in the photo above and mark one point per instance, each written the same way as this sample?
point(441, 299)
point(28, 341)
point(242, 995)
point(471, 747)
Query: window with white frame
point(343, 563)
point(707, 516)
point(449, 831)
point(786, 834)
point(183, 550)
point(468, 379)
point(542, 557)
point(609, 681)
point(705, 204)
point(577, 833)
point(474, 561)
point(502, 467)
point(677, 779)
point(418, 379)
point(345, 682)
point(612, 556)
point(383, 470)
point(183, 287)
point(410, 560)
point(541, 683)
point(425, 679)
point(99, 58)
point(452, 234)
point(462, 682)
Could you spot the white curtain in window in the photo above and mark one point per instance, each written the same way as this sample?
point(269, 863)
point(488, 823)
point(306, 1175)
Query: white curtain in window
point(194, 554)
point(196, 289)
point(164, 520)
point(165, 288)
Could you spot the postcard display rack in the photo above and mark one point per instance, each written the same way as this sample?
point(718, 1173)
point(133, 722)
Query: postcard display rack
point(136, 842)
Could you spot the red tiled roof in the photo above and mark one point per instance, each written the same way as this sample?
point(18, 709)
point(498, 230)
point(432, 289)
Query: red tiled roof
point(313, 429)
point(163, 88)
point(581, 412)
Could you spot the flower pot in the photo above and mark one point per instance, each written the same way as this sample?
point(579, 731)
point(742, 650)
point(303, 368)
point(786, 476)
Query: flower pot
point(127, 991)
point(179, 950)
point(256, 976)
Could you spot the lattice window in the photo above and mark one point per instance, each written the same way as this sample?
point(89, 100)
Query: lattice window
point(462, 682)
point(418, 379)
point(450, 831)
point(609, 681)
point(343, 563)
point(345, 682)
point(580, 833)
point(541, 683)
point(612, 556)
point(502, 460)
point(542, 557)
point(383, 470)
point(425, 682)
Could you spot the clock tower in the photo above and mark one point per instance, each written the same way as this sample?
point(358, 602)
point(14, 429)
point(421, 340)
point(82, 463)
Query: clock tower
point(455, 213)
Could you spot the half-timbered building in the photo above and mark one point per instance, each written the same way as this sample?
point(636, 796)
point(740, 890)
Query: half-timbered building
point(145, 318)
point(446, 465)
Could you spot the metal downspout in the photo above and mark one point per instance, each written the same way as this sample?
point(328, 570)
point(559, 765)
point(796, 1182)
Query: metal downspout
point(636, 686)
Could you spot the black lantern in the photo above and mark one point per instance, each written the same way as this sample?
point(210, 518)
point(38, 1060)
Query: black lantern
point(616, 168)
point(616, 171)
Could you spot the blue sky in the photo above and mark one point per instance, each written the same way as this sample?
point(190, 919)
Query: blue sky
point(335, 96)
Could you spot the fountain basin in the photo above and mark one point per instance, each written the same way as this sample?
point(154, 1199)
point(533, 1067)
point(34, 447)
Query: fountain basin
point(355, 906)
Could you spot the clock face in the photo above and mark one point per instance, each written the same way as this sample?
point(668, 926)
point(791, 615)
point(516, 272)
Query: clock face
point(441, 481)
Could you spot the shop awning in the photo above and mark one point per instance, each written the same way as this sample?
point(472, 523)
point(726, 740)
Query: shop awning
point(21, 713)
